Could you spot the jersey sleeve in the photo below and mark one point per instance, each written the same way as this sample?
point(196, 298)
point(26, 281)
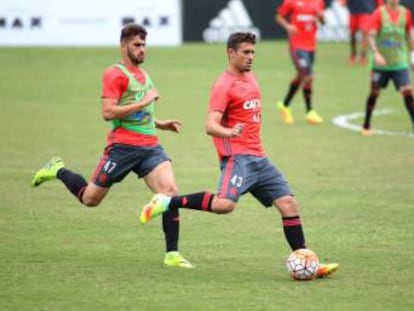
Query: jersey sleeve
point(219, 97)
point(376, 20)
point(285, 9)
point(409, 19)
point(114, 83)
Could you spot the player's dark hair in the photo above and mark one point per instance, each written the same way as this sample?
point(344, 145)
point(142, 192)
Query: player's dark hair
point(239, 37)
point(131, 30)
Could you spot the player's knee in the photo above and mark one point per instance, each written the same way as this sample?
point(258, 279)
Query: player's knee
point(307, 80)
point(171, 191)
point(223, 206)
point(91, 201)
point(287, 205)
point(375, 90)
point(406, 90)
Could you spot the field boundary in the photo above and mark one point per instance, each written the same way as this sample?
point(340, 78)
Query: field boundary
point(343, 121)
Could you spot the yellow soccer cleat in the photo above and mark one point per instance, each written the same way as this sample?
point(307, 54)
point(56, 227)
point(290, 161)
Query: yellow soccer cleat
point(313, 117)
point(285, 113)
point(48, 171)
point(327, 269)
point(155, 207)
point(175, 259)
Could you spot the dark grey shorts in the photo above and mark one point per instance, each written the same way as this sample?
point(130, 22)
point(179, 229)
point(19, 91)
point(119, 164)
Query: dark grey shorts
point(381, 78)
point(244, 173)
point(119, 160)
point(303, 60)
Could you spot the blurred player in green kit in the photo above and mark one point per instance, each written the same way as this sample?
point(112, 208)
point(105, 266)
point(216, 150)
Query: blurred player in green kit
point(393, 52)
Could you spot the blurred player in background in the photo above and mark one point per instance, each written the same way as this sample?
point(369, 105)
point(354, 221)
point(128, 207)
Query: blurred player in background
point(392, 45)
point(299, 18)
point(234, 122)
point(359, 22)
point(128, 98)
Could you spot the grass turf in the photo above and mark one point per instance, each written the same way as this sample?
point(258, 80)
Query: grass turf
point(356, 193)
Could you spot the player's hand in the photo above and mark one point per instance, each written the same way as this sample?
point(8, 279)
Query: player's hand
point(321, 18)
point(379, 59)
point(237, 130)
point(151, 96)
point(169, 125)
point(291, 29)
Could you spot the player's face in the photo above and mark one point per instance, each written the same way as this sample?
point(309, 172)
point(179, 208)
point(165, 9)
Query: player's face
point(134, 49)
point(242, 57)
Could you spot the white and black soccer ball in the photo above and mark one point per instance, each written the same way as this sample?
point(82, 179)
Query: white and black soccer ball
point(303, 264)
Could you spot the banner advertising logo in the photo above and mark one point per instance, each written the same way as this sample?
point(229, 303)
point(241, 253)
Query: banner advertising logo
point(234, 17)
point(84, 23)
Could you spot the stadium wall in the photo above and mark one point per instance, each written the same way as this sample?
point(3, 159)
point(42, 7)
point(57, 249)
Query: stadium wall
point(212, 21)
point(170, 22)
point(86, 22)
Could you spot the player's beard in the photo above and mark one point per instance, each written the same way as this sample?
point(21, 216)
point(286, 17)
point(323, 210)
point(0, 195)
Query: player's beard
point(247, 67)
point(136, 59)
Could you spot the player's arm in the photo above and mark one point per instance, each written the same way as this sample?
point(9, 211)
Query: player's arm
point(409, 33)
point(281, 18)
point(169, 125)
point(282, 21)
point(372, 35)
point(320, 17)
point(214, 127)
point(111, 110)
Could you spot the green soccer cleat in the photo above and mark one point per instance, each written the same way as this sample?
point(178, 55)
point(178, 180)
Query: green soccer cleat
point(175, 259)
point(48, 171)
point(157, 206)
point(313, 117)
point(285, 113)
point(327, 269)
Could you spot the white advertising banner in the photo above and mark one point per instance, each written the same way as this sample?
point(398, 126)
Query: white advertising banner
point(86, 22)
point(336, 23)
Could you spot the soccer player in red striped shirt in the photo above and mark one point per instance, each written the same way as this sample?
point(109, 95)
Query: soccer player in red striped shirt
point(299, 18)
point(234, 121)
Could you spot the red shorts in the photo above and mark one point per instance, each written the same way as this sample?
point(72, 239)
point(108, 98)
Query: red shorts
point(359, 22)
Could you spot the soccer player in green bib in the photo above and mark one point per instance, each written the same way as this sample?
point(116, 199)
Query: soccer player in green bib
point(393, 52)
point(128, 98)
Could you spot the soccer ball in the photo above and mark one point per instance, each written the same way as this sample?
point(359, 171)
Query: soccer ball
point(303, 264)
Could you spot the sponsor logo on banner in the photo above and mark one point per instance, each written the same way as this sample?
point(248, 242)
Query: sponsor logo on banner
point(234, 17)
point(18, 22)
point(83, 23)
point(336, 23)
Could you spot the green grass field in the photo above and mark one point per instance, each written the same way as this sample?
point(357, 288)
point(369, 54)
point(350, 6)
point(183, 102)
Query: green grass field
point(356, 193)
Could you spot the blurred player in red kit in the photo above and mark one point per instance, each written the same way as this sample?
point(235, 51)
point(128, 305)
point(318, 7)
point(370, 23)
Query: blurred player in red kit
point(300, 20)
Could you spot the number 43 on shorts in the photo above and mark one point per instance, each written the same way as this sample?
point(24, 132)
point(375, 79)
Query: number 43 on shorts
point(236, 181)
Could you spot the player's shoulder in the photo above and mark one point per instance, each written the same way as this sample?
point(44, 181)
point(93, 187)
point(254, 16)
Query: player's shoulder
point(377, 11)
point(112, 71)
point(225, 79)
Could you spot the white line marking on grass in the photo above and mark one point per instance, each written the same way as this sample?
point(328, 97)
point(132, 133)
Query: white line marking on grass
point(343, 121)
